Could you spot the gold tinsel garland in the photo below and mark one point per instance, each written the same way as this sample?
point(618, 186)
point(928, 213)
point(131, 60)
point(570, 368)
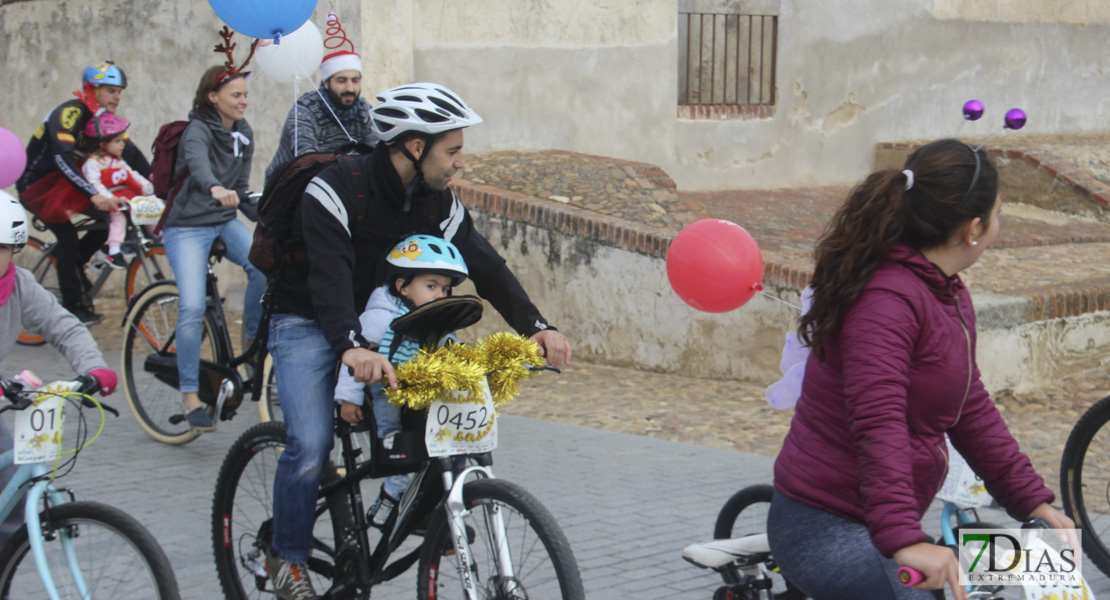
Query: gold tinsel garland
point(502, 358)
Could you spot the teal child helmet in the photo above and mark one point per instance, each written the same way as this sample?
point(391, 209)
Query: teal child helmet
point(418, 254)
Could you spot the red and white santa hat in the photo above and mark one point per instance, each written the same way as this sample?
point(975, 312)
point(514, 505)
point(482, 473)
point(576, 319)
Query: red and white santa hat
point(341, 59)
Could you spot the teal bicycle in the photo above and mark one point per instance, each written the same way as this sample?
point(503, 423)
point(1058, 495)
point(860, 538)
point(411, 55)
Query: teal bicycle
point(66, 548)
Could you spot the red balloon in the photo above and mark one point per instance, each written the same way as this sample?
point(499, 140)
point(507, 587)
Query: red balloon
point(714, 265)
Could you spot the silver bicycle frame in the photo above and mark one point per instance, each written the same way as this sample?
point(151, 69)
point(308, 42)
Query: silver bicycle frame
point(457, 512)
point(8, 499)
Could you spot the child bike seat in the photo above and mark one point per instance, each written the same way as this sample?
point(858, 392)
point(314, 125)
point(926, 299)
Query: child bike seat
point(430, 322)
point(750, 549)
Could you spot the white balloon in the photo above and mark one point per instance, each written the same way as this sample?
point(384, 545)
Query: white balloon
point(298, 55)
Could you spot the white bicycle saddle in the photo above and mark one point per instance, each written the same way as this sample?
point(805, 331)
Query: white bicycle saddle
point(717, 553)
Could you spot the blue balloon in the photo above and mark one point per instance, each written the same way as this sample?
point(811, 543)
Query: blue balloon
point(264, 19)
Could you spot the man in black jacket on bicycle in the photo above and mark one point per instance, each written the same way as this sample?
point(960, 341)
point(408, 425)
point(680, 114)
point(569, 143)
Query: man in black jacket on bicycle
point(53, 179)
point(349, 218)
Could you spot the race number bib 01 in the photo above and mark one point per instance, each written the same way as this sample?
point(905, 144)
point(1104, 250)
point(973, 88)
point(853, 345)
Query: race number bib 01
point(38, 430)
point(461, 425)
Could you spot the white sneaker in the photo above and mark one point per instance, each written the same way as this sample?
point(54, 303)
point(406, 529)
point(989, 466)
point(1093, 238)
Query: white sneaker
point(382, 508)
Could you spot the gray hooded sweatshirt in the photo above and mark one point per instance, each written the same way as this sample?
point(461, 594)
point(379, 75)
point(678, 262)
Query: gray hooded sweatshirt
point(214, 156)
point(37, 310)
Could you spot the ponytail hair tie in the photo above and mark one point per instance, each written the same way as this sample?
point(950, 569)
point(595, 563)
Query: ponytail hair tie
point(909, 179)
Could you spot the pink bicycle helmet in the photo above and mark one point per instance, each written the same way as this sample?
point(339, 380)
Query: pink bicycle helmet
point(105, 125)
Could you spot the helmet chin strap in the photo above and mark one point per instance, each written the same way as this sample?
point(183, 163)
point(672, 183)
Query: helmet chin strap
point(417, 179)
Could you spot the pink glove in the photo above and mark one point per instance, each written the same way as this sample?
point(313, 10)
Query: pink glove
point(107, 380)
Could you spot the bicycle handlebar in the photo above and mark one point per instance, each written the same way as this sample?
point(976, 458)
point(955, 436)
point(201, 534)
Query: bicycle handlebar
point(21, 397)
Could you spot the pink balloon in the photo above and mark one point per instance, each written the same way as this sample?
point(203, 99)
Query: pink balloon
point(13, 158)
point(714, 265)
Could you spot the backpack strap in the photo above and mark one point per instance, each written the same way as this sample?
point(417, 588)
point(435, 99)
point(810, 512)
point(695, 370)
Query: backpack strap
point(353, 171)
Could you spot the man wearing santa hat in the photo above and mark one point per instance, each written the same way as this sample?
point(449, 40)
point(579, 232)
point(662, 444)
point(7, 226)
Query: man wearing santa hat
point(333, 115)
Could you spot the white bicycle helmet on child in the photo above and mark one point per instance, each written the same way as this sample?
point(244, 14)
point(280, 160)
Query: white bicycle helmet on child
point(427, 108)
point(13, 222)
point(418, 254)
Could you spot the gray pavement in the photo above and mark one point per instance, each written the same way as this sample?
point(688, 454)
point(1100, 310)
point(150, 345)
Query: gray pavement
point(628, 504)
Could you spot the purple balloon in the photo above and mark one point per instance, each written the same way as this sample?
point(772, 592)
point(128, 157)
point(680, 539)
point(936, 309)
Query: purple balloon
point(13, 158)
point(973, 109)
point(1015, 119)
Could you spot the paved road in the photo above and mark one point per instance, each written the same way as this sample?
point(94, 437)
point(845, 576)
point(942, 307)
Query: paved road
point(627, 503)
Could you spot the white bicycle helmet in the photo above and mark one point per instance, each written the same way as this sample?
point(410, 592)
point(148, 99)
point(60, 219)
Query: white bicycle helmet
point(427, 108)
point(418, 254)
point(13, 221)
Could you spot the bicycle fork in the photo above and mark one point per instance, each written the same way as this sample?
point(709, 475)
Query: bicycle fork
point(35, 536)
point(456, 519)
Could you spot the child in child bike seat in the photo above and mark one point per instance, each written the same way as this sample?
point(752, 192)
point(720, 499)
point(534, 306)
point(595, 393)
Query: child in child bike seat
point(24, 302)
point(418, 270)
point(111, 176)
point(892, 370)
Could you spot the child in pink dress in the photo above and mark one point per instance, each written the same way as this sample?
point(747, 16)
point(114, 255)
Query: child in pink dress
point(111, 176)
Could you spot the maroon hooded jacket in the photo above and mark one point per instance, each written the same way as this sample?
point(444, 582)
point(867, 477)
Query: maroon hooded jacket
point(867, 438)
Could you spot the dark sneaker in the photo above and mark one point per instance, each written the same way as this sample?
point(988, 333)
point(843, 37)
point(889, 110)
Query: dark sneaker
point(85, 315)
point(290, 580)
point(116, 261)
point(199, 419)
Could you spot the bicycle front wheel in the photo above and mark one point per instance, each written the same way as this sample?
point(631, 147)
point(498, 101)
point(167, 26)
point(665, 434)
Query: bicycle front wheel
point(45, 269)
point(149, 368)
point(1085, 481)
point(117, 557)
point(504, 521)
point(745, 513)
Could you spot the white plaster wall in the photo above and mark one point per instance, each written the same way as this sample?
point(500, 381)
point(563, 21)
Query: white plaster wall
point(560, 74)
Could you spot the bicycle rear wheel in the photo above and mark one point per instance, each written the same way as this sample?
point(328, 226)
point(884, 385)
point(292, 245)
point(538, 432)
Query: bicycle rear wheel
point(118, 557)
point(269, 407)
point(542, 563)
point(45, 269)
point(242, 509)
point(745, 513)
point(149, 375)
point(1085, 481)
point(159, 270)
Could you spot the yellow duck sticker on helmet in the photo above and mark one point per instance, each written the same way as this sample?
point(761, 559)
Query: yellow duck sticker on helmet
point(411, 251)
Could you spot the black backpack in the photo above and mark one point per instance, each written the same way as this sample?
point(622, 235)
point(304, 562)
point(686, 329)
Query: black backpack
point(275, 243)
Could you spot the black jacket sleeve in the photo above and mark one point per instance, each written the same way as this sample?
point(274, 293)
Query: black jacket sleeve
point(63, 140)
point(491, 276)
point(331, 258)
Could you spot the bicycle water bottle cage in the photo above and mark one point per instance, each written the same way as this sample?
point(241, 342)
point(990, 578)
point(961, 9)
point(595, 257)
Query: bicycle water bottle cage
point(429, 323)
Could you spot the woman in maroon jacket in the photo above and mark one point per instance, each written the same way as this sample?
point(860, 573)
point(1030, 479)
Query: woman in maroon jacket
point(893, 369)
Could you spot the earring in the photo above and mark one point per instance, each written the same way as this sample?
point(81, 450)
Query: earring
point(974, 243)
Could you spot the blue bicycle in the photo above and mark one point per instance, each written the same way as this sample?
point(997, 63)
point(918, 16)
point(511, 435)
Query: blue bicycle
point(69, 549)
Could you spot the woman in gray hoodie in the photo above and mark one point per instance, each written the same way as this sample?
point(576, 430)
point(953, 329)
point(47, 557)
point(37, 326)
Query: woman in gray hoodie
point(215, 154)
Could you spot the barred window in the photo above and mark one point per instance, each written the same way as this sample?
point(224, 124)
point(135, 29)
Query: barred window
point(727, 52)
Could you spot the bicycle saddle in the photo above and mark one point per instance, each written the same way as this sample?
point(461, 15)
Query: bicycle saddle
point(718, 553)
point(429, 323)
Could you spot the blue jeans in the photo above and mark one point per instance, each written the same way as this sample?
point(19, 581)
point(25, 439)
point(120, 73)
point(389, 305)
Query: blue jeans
point(187, 250)
point(304, 366)
point(830, 557)
point(387, 416)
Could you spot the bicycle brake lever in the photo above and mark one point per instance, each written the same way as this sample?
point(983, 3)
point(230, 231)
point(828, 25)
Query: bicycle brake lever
point(91, 404)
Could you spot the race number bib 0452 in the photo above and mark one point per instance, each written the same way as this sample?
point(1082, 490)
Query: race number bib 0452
point(461, 425)
point(38, 430)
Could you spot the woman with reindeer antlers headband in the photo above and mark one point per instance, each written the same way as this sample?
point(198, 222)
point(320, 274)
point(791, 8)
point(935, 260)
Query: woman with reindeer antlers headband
point(215, 157)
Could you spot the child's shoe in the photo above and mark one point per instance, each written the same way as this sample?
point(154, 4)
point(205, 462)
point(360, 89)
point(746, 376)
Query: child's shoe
point(116, 261)
point(382, 508)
